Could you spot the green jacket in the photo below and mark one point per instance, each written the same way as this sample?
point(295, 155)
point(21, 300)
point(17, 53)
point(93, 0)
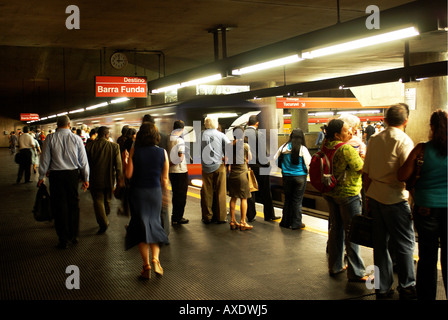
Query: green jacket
point(346, 168)
point(105, 163)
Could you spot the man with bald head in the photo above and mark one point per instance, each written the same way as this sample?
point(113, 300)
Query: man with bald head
point(64, 159)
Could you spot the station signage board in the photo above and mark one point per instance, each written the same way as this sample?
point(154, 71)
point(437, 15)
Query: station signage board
point(29, 116)
point(318, 103)
point(118, 86)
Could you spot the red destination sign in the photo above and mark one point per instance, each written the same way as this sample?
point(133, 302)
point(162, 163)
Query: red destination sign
point(113, 86)
point(29, 116)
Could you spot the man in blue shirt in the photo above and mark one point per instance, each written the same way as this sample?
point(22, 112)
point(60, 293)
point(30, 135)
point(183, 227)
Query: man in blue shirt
point(64, 158)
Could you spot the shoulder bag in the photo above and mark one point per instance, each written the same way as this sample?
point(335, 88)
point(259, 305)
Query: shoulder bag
point(253, 183)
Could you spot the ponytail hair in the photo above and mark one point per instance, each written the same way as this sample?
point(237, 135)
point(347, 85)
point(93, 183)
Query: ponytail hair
point(438, 124)
point(297, 139)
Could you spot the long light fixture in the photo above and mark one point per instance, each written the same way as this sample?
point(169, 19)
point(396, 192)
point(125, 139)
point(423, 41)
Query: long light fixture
point(119, 100)
point(103, 104)
point(267, 65)
point(77, 111)
point(207, 79)
point(361, 43)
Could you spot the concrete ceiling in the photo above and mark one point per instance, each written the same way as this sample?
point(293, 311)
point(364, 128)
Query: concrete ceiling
point(44, 67)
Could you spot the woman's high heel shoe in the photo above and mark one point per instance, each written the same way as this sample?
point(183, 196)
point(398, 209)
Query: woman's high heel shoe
point(244, 226)
point(157, 267)
point(234, 225)
point(146, 272)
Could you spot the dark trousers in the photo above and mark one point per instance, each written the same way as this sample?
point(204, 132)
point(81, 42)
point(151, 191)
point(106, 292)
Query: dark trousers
point(65, 203)
point(101, 205)
point(263, 195)
point(179, 186)
point(25, 165)
point(432, 230)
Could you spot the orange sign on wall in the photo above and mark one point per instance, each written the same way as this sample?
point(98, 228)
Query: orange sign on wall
point(113, 86)
point(318, 103)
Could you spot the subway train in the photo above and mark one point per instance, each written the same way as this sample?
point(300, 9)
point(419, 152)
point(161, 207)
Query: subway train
point(230, 112)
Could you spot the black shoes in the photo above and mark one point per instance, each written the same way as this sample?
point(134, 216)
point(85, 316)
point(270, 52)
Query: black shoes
point(272, 218)
point(103, 229)
point(64, 244)
point(409, 293)
point(385, 295)
point(181, 221)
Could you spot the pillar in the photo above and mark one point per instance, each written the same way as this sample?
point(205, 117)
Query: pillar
point(299, 119)
point(430, 95)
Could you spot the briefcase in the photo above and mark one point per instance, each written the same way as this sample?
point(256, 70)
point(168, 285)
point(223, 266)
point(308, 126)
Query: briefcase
point(361, 230)
point(42, 205)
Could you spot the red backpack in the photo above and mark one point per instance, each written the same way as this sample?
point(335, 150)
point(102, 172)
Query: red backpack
point(321, 169)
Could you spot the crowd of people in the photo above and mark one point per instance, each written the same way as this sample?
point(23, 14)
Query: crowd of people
point(371, 179)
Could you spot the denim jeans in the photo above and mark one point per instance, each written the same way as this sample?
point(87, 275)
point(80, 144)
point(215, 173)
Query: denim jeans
point(294, 189)
point(393, 223)
point(341, 212)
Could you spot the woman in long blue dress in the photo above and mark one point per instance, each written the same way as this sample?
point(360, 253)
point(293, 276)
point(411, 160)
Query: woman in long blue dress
point(147, 169)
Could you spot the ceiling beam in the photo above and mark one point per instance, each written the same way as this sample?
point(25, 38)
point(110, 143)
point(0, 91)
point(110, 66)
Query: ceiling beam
point(423, 14)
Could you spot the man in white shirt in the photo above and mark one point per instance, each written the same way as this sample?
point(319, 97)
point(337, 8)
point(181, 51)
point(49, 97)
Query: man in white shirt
point(178, 173)
point(26, 146)
point(388, 201)
point(64, 157)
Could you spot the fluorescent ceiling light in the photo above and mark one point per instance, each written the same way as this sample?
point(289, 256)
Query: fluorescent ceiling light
point(119, 100)
point(267, 65)
point(166, 89)
point(211, 78)
point(207, 79)
point(223, 115)
point(62, 114)
point(103, 104)
point(361, 43)
point(77, 110)
point(359, 111)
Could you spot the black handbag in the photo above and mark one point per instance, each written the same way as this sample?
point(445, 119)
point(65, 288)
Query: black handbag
point(18, 158)
point(412, 180)
point(361, 230)
point(42, 205)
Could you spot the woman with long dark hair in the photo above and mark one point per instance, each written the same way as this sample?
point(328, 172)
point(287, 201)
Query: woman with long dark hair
point(294, 159)
point(430, 205)
point(147, 168)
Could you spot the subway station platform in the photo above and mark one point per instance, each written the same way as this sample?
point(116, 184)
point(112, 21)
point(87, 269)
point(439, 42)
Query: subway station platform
point(201, 263)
